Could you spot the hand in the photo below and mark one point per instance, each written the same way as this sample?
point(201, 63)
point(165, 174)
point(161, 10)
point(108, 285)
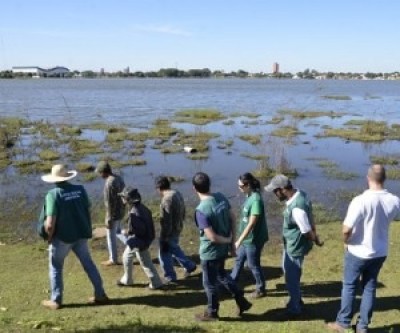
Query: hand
point(233, 250)
point(318, 242)
point(164, 246)
point(124, 232)
point(237, 245)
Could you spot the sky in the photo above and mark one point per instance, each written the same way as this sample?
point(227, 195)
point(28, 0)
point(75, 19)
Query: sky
point(326, 35)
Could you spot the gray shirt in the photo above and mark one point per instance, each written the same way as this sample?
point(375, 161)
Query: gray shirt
point(172, 211)
point(114, 184)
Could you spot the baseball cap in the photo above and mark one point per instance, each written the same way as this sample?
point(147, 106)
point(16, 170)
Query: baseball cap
point(103, 166)
point(279, 181)
point(130, 194)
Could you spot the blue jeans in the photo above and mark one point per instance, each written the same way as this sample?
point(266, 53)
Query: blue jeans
point(214, 275)
point(58, 251)
point(354, 269)
point(252, 254)
point(112, 240)
point(292, 268)
point(166, 259)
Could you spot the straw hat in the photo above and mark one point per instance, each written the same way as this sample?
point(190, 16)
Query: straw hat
point(59, 173)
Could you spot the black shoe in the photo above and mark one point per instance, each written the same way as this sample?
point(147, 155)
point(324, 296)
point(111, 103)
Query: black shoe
point(205, 316)
point(243, 306)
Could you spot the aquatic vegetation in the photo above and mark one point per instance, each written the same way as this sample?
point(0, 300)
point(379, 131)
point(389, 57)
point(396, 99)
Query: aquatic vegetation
point(198, 140)
point(286, 131)
point(249, 122)
point(228, 122)
point(134, 162)
point(171, 149)
point(331, 170)
point(254, 156)
point(337, 97)
point(137, 152)
point(393, 174)
point(245, 114)
point(301, 114)
point(10, 130)
point(198, 116)
point(163, 132)
point(88, 177)
point(175, 179)
point(197, 156)
point(115, 129)
point(275, 120)
point(323, 214)
point(84, 167)
point(227, 142)
point(83, 147)
point(70, 130)
point(252, 139)
point(385, 160)
point(49, 155)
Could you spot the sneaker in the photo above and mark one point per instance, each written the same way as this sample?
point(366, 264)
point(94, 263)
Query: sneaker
point(168, 281)
point(243, 306)
point(205, 316)
point(110, 263)
point(121, 284)
point(258, 294)
point(189, 272)
point(334, 326)
point(51, 304)
point(151, 287)
point(99, 300)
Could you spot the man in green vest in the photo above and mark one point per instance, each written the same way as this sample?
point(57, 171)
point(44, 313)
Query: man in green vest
point(215, 221)
point(298, 237)
point(68, 226)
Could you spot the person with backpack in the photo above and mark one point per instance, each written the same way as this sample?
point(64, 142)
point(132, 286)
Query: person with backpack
point(138, 237)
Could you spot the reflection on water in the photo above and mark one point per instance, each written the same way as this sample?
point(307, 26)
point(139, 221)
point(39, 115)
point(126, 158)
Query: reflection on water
point(137, 103)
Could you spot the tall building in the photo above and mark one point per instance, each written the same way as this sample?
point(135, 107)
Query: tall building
point(275, 68)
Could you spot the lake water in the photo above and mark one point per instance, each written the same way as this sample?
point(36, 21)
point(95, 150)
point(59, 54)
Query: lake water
point(137, 102)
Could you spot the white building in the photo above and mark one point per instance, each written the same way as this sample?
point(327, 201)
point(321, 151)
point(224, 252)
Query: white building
point(35, 71)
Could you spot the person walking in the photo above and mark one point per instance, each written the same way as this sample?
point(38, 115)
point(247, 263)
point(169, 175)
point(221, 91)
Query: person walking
point(114, 209)
point(298, 237)
point(172, 216)
point(215, 221)
point(68, 226)
point(138, 238)
point(252, 233)
point(366, 236)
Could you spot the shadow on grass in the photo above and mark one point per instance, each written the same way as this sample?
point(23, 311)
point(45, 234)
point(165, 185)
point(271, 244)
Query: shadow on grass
point(386, 329)
point(156, 299)
point(145, 328)
point(270, 272)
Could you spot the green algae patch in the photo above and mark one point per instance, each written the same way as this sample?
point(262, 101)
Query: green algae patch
point(252, 139)
point(198, 116)
point(286, 132)
point(302, 114)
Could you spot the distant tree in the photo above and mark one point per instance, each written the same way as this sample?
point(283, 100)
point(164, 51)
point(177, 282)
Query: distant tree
point(88, 74)
point(242, 73)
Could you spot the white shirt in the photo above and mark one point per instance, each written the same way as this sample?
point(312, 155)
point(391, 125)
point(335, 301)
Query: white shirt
point(369, 215)
point(299, 216)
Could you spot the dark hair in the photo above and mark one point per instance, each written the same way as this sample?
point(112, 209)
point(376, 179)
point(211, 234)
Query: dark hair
point(377, 173)
point(248, 179)
point(162, 183)
point(201, 182)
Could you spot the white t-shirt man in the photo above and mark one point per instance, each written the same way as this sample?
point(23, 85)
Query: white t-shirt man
point(369, 215)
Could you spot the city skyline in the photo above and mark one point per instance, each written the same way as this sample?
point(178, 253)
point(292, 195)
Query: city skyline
point(356, 36)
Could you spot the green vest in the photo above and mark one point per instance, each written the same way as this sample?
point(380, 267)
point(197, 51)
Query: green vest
point(216, 209)
point(254, 205)
point(296, 244)
point(70, 204)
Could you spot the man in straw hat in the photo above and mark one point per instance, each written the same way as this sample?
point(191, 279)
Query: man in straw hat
point(68, 226)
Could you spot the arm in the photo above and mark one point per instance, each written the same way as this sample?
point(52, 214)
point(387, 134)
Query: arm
point(300, 217)
point(165, 220)
point(346, 231)
point(107, 196)
point(252, 222)
point(50, 226)
point(217, 239)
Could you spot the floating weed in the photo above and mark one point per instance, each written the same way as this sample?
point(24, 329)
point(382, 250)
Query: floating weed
point(228, 122)
point(137, 152)
point(84, 167)
point(70, 131)
point(300, 114)
point(88, 177)
point(197, 156)
point(252, 139)
point(337, 97)
point(286, 132)
point(49, 155)
point(393, 174)
point(175, 179)
point(249, 122)
point(171, 149)
point(116, 129)
point(385, 160)
point(245, 114)
point(275, 120)
point(332, 171)
point(198, 116)
point(135, 162)
point(257, 157)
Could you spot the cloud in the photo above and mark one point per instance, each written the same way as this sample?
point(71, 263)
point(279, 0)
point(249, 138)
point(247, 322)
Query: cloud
point(163, 29)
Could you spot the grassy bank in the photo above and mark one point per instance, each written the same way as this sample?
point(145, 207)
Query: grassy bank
point(24, 283)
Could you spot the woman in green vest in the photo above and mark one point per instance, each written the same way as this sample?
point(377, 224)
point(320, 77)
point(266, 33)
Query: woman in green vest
point(252, 233)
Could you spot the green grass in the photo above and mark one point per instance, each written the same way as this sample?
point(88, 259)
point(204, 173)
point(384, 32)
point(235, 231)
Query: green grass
point(385, 160)
point(141, 311)
point(286, 132)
